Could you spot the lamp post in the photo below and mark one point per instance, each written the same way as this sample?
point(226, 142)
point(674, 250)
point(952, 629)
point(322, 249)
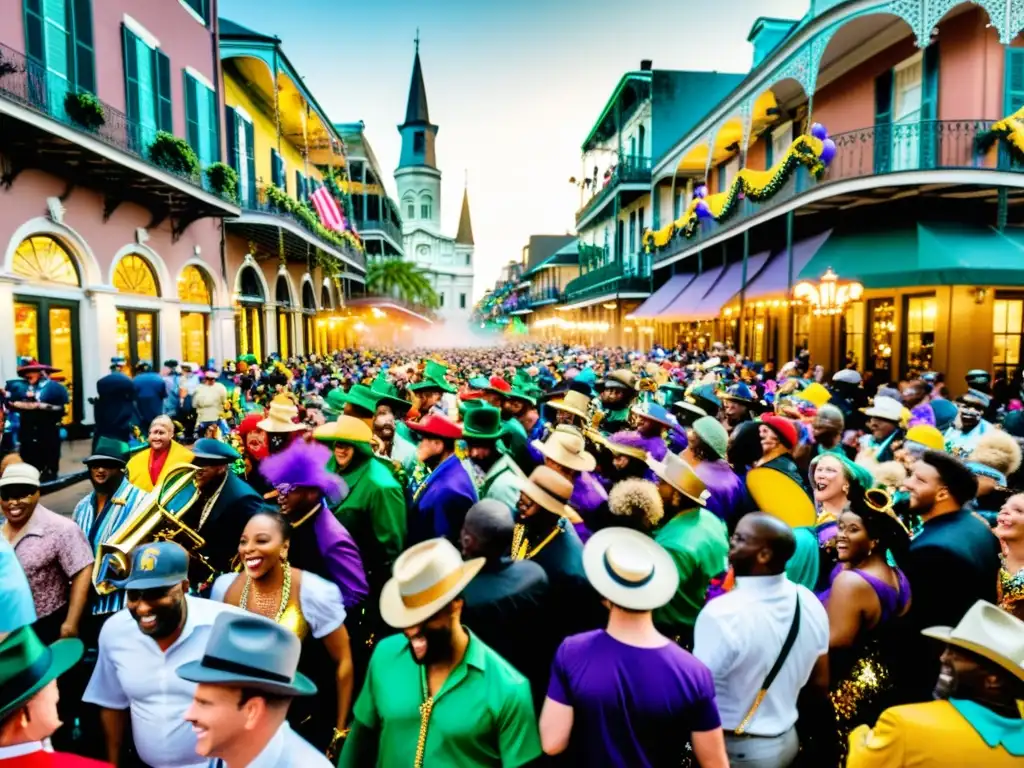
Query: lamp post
point(829, 297)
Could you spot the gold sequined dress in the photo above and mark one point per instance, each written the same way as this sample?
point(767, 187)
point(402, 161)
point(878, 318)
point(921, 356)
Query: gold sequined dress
point(1011, 590)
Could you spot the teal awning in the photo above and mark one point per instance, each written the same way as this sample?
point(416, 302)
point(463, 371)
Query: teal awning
point(925, 254)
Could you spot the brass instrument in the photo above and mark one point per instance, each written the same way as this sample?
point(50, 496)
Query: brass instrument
point(159, 519)
point(519, 542)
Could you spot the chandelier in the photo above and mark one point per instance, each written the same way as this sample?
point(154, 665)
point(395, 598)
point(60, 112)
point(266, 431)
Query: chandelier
point(829, 296)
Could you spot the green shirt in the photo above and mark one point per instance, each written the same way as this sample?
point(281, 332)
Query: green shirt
point(483, 714)
point(373, 512)
point(699, 545)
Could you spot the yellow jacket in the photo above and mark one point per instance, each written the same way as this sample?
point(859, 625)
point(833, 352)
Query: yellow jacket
point(138, 466)
point(929, 735)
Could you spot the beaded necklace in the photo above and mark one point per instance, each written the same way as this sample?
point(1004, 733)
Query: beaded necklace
point(286, 592)
point(426, 707)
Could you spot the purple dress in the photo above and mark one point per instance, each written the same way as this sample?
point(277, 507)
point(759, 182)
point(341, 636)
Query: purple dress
point(339, 559)
point(588, 497)
point(727, 493)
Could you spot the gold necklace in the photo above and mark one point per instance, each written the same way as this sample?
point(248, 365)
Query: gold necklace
point(426, 707)
point(286, 593)
point(547, 540)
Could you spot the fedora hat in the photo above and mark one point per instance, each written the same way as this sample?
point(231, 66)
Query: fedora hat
point(280, 418)
point(549, 490)
point(31, 365)
point(677, 473)
point(108, 449)
point(20, 474)
point(249, 651)
point(435, 425)
point(620, 379)
point(27, 666)
point(991, 633)
point(572, 402)
point(887, 408)
point(348, 430)
point(425, 578)
point(481, 422)
point(567, 446)
point(630, 569)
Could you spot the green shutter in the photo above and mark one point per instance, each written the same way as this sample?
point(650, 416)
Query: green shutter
point(212, 126)
point(131, 86)
point(84, 58)
point(34, 31)
point(883, 121)
point(192, 130)
point(162, 69)
point(1013, 81)
point(929, 106)
point(250, 158)
point(231, 130)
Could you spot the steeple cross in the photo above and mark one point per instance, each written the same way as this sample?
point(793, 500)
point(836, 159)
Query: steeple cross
point(417, 40)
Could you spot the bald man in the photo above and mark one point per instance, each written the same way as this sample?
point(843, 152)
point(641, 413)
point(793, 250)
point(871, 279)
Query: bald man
point(741, 635)
point(505, 603)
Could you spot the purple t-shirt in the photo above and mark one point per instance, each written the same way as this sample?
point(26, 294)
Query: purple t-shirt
point(632, 707)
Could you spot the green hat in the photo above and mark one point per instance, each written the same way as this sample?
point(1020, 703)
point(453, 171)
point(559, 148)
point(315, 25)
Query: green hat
point(712, 434)
point(249, 360)
point(429, 383)
point(108, 450)
point(481, 422)
point(479, 382)
point(387, 393)
point(359, 395)
point(27, 666)
point(435, 370)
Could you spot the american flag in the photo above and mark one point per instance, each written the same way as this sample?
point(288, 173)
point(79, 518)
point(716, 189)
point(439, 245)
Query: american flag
point(327, 208)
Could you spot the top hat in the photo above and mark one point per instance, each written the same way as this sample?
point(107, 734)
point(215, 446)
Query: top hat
point(250, 651)
point(359, 395)
point(27, 666)
point(425, 578)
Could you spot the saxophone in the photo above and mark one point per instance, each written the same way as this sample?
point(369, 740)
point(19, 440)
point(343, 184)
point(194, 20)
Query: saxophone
point(519, 542)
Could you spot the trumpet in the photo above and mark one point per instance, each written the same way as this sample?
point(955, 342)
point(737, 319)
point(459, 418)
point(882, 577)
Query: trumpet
point(158, 519)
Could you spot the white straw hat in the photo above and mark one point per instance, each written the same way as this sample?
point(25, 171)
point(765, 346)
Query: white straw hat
point(567, 446)
point(280, 419)
point(990, 632)
point(888, 408)
point(630, 569)
point(425, 578)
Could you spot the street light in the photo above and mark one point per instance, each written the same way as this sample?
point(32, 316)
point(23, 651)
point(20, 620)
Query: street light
point(829, 296)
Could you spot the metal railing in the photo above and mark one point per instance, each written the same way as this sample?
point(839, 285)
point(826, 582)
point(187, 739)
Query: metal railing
point(30, 84)
point(538, 296)
point(630, 169)
point(633, 275)
point(925, 145)
point(386, 226)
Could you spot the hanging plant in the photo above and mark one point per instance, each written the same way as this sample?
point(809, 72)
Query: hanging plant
point(9, 67)
point(85, 110)
point(223, 180)
point(174, 155)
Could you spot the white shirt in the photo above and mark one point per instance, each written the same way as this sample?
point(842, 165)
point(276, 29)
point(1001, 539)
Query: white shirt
point(285, 750)
point(739, 636)
point(133, 673)
point(319, 601)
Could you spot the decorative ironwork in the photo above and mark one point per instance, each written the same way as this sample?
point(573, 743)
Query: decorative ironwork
point(193, 287)
point(135, 275)
point(933, 12)
point(614, 277)
point(801, 68)
point(42, 259)
point(629, 169)
point(1014, 20)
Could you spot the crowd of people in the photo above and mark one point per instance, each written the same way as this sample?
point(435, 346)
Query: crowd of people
point(520, 555)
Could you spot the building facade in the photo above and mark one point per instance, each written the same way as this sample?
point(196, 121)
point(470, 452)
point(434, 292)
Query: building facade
point(448, 260)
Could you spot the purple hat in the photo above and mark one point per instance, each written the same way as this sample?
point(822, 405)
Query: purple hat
point(628, 443)
point(304, 465)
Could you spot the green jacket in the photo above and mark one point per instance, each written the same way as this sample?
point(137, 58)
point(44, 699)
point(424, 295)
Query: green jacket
point(513, 435)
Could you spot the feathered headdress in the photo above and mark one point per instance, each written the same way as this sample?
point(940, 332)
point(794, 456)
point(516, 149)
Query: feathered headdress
point(304, 464)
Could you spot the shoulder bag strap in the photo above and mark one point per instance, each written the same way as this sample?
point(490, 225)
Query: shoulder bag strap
point(787, 646)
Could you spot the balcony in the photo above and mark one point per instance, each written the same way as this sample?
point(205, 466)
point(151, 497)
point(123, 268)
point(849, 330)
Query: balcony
point(262, 221)
point(37, 131)
point(539, 297)
point(392, 303)
point(613, 278)
point(370, 227)
point(631, 169)
point(878, 151)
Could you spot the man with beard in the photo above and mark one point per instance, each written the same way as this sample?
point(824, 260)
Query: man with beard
point(962, 439)
point(951, 564)
point(975, 718)
point(139, 649)
point(440, 503)
point(391, 408)
point(112, 501)
point(617, 391)
point(497, 476)
point(437, 678)
point(884, 432)
point(738, 405)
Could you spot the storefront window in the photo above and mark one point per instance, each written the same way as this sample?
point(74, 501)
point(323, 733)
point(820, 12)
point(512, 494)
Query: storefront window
point(43, 260)
point(853, 335)
point(883, 328)
point(1007, 314)
point(134, 275)
point(193, 288)
point(801, 328)
point(136, 337)
point(26, 330)
point(920, 333)
point(193, 337)
point(250, 331)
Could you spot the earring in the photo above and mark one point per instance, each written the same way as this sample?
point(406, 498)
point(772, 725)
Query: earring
point(846, 489)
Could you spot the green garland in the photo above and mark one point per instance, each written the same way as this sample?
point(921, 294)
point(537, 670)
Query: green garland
point(285, 203)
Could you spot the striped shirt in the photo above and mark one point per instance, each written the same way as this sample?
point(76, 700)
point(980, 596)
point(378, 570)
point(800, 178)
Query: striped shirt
point(118, 509)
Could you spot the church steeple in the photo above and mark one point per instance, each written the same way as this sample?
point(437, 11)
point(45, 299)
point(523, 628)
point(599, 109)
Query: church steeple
point(465, 234)
point(417, 131)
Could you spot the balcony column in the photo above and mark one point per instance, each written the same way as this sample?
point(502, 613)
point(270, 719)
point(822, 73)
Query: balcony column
point(366, 211)
point(743, 286)
point(787, 343)
point(100, 318)
point(270, 340)
point(223, 344)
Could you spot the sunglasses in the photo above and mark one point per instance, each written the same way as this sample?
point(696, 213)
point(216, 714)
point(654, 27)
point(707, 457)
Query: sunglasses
point(16, 492)
point(283, 489)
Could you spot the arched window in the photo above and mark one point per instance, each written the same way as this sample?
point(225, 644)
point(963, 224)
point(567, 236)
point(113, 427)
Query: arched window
point(193, 288)
point(281, 293)
point(325, 298)
point(410, 207)
point(251, 287)
point(308, 298)
point(135, 275)
point(426, 207)
point(41, 259)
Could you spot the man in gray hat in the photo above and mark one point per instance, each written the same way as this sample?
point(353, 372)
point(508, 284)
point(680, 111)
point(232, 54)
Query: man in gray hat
point(246, 680)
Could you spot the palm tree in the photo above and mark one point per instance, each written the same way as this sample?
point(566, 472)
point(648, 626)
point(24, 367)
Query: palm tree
point(401, 279)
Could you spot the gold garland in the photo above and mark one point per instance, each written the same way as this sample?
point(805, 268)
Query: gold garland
point(286, 593)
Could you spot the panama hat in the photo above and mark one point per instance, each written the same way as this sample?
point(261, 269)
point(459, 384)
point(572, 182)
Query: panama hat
point(567, 446)
point(680, 476)
point(549, 490)
point(425, 578)
point(887, 408)
point(630, 569)
point(990, 632)
point(572, 402)
point(27, 666)
point(280, 418)
point(244, 650)
point(20, 474)
point(348, 430)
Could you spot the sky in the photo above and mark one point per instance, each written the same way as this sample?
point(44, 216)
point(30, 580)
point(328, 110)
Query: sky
point(513, 86)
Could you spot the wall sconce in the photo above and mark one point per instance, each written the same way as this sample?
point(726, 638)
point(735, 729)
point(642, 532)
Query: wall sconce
point(980, 294)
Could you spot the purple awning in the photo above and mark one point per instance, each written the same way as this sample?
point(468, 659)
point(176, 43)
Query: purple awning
point(773, 282)
point(662, 297)
point(678, 310)
point(727, 287)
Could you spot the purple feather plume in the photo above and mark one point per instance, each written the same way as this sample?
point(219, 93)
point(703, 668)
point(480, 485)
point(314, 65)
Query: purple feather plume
point(305, 464)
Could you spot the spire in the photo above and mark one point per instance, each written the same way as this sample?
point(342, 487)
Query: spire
point(416, 108)
point(465, 233)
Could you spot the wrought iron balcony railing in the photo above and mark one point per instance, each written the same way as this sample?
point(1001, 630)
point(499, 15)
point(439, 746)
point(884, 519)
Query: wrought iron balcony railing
point(34, 87)
point(926, 145)
point(631, 169)
point(386, 226)
point(540, 296)
point(633, 276)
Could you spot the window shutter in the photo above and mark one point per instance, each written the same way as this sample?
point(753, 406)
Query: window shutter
point(34, 31)
point(274, 178)
point(213, 124)
point(929, 105)
point(1013, 81)
point(883, 121)
point(250, 158)
point(131, 85)
point(192, 113)
point(231, 128)
point(162, 68)
point(84, 56)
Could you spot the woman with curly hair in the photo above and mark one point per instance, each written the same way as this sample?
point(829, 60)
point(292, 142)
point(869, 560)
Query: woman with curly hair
point(634, 504)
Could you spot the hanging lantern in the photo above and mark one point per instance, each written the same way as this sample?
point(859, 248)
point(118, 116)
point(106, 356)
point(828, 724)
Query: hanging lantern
point(829, 296)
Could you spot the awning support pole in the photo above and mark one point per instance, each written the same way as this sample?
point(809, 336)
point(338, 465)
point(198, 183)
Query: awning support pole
point(743, 287)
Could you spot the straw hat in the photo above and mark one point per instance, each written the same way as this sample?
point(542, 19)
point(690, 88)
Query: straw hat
point(886, 408)
point(990, 632)
point(680, 476)
point(347, 430)
point(281, 418)
point(573, 402)
point(549, 490)
point(567, 446)
point(426, 577)
point(630, 569)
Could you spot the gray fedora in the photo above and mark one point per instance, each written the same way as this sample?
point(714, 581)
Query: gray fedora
point(250, 651)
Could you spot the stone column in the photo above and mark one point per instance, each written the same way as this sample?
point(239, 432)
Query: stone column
point(99, 324)
point(170, 335)
point(270, 342)
point(222, 341)
point(8, 349)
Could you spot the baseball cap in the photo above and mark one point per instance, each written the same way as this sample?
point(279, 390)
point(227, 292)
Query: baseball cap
point(155, 565)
